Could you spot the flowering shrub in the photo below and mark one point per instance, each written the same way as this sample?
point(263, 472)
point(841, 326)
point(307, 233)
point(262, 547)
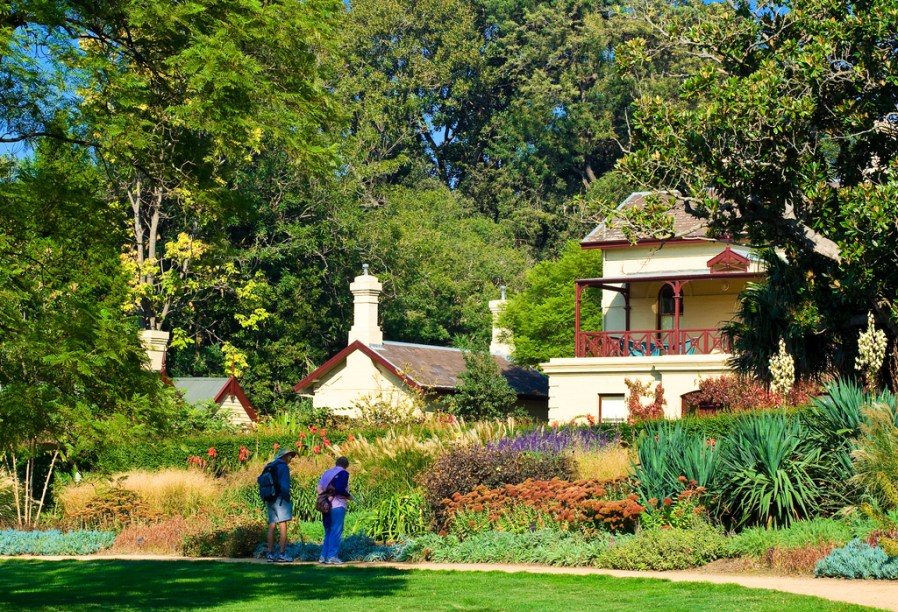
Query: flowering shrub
point(739, 393)
point(54, 542)
point(644, 412)
point(679, 511)
point(464, 468)
point(556, 440)
point(575, 506)
point(312, 442)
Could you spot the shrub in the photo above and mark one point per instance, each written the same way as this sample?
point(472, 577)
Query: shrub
point(464, 468)
point(546, 547)
point(678, 511)
point(858, 559)
point(801, 560)
point(638, 411)
point(668, 549)
point(574, 506)
point(228, 536)
point(557, 440)
point(111, 509)
point(740, 393)
point(767, 467)
point(54, 542)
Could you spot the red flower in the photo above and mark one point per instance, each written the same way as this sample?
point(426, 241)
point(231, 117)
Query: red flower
point(302, 434)
point(327, 442)
point(244, 454)
point(316, 449)
point(313, 429)
point(213, 452)
point(711, 442)
point(276, 446)
point(350, 437)
point(298, 444)
point(323, 432)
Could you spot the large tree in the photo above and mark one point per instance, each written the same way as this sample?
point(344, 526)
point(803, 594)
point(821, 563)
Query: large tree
point(787, 135)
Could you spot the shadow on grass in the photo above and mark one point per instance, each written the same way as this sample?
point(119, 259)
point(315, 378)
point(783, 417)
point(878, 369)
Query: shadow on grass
point(120, 585)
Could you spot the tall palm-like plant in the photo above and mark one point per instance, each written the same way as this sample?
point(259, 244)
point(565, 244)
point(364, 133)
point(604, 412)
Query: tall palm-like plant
point(767, 465)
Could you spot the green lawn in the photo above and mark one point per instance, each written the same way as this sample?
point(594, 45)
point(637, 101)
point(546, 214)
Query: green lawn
point(121, 585)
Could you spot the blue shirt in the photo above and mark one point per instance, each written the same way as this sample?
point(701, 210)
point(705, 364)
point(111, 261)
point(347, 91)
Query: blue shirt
point(282, 476)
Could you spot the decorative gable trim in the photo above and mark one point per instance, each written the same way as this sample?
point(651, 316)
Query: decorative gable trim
point(334, 361)
point(728, 261)
point(232, 387)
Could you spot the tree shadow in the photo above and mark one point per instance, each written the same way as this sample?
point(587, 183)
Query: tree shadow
point(121, 585)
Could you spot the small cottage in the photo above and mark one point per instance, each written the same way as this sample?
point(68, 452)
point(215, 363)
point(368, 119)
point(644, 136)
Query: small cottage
point(371, 369)
point(226, 392)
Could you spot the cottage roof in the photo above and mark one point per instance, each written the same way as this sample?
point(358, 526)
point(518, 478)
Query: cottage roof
point(432, 367)
point(217, 389)
point(685, 226)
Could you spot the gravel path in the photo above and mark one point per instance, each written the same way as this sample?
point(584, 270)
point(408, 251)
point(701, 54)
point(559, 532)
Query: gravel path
point(880, 594)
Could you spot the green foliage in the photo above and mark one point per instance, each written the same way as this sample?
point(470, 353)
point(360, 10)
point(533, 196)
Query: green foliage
point(668, 451)
point(767, 468)
point(397, 517)
point(541, 317)
point(54, 542)
point(483, 393)
point(758, 541)
point(544, 547)
point(876, 457)
point(760, 128)
point(668, 549)
point(124, 455)
point(463, 468)
point(203, 417)
point(857, 559)
point(514, 518)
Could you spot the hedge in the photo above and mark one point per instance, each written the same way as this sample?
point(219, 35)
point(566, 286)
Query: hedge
point(167, 453)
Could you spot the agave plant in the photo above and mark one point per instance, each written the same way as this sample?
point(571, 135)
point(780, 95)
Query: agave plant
point(767, 465)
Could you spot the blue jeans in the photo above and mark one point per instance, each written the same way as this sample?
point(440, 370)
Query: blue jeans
point(333, 532)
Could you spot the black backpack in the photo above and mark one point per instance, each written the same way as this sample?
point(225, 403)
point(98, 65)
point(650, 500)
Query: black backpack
point(268, 484)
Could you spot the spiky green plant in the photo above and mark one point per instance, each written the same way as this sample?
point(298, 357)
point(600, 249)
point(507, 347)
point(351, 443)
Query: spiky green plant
point(767, 466)
point(667, 450)
point(833, 424)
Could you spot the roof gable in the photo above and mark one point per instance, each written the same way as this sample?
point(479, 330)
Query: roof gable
point(729, 260)
point(203, 389)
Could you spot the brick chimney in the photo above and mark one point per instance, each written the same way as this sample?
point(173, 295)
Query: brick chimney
point(366, 290)
point(501, 343)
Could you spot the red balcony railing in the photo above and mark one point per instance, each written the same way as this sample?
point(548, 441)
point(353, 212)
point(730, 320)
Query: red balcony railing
point(649, 343)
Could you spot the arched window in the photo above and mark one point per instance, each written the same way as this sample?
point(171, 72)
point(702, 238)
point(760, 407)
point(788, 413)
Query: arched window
point(666, 303)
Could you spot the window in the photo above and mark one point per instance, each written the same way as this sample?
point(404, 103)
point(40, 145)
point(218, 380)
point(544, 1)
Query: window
point(612, 408)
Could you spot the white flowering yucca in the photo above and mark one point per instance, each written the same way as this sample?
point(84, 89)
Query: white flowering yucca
point(871, 351)
point(782, 371)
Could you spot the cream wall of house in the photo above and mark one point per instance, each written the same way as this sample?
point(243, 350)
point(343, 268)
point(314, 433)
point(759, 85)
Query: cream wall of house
point(360, 379)
point(236, 412)
point(575, 384)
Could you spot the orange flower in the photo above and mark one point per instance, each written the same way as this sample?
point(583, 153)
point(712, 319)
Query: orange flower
point(350, 437)
point(276, 446)
point(213, 452)
point(313, 429)
point(316, 449)
point(323, 433)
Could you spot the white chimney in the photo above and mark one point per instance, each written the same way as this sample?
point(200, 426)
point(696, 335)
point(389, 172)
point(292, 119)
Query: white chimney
point(155, 343)
point(366, 292)
point(501, 343)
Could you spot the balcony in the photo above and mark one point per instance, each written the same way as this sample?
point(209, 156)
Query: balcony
point(652, 343)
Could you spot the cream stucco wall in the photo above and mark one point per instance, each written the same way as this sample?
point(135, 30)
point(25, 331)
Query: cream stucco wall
point(360, 379)
point(576, 383)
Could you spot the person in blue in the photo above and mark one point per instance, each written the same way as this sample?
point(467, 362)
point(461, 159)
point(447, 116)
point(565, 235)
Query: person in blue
point(280, 511)
point(335, 481)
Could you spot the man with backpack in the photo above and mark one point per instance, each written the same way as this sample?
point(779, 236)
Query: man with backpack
point(274, 487)
point(333, 493)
